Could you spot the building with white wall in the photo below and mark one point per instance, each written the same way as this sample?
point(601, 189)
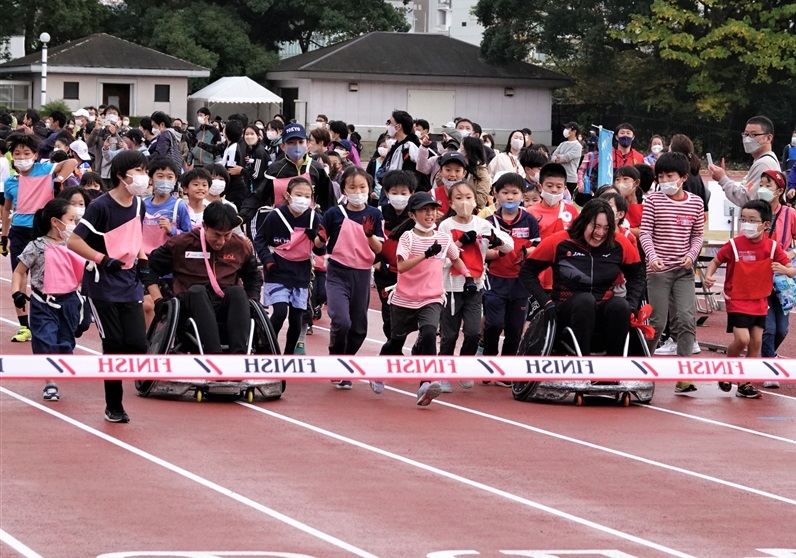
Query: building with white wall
point(431, 76)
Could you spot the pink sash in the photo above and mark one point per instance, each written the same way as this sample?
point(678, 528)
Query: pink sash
point(352, 248)
point(153, 235)
point(206, 257)
point(63, 270)
point(280, 187)
point(299, 248)
point(124, 242)
point(34, 193)
point(424, 281)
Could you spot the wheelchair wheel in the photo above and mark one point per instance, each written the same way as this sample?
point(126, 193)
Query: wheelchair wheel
point(160, 338)
point(523, 391)
point(637, 345)
point(265, 340)
point(537, 340)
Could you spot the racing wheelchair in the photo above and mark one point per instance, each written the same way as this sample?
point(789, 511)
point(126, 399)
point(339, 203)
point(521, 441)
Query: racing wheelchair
point(172, 332)
point(543, 337)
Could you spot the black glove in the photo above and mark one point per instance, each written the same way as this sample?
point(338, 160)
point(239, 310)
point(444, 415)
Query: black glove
point(468, 238)
point(111, 265)
point(494, 241)
point(433, 250)
point(470, 286)
point(20, 299)
point(3, 246)
point(549, 309)
point(311, 234)
point(159, 306)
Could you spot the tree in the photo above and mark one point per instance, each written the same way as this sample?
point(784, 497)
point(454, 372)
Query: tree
point(729, 52)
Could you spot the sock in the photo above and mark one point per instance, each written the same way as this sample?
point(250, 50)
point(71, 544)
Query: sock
point(23, 321)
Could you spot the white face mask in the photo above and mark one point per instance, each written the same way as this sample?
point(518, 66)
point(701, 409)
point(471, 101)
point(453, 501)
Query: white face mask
point(342, 154)
point(391, 131)
point(217, 187)
point(91, 118)
point(421, 228)
point(299, 204)
point(139, 184)
point(357, 200)
point(793, 140)
point(201, 120)
point(465, 133)
point(112, 118)
point(750, 145)
point(552, 199)
point(164, 187)
point(487, 144)
point(398, 201)
point(80, 211)
point(749, 230)
point(23, 164)
point(669, 188)
point(517, 143)
point(271, 135)
point(566, 133)
point(66, 233)
point(390, 143)
point(383, 151)
point(765, 194)
point(657, 149)
point(448, 183)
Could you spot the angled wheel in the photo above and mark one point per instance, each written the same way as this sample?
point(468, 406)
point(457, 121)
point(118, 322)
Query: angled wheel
point(144, 387)
point(265, 339)
point(199, 395)
point(578, 399)
point(523, 391)
point(250, 395)
point(625, 401)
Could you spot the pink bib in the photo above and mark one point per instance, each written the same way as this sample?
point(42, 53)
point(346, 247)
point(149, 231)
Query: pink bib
point(124, 242)
point(352, 248)
point(424, 281)
point(34, 193)
point(63, 270)
point(299, 248)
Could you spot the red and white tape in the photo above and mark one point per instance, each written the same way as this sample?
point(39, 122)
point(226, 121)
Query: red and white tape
point(268, 367)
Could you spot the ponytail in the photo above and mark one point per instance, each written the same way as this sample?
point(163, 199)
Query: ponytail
point(41, 219)
point(398, 231)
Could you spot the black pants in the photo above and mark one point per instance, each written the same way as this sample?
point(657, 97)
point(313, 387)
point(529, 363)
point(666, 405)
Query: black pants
point(584, 316)
point(122, 328)
point(208, 309)
point(294, 317)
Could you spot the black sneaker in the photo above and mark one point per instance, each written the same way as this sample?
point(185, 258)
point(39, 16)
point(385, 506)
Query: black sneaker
point(116, 416)
point(748, 391)
point(725, 386)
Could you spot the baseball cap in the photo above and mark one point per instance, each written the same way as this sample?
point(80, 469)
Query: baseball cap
point(452, 157)
point(420, 200)
point(345, 144)
point(777, 177)
point(294, 131)
point(81, 112)
point(81, 149)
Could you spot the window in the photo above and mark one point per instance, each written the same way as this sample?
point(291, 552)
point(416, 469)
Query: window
point(162, 93)
point(71, 90)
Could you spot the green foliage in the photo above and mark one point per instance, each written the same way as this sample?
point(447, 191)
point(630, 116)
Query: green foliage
point(64, 20)
point(52, 106)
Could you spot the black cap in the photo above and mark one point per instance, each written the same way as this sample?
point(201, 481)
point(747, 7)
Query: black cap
point(420, 200)
point(572, 126)
point(454, 156)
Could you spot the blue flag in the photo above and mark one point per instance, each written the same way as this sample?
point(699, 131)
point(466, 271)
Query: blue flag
point(605, 171)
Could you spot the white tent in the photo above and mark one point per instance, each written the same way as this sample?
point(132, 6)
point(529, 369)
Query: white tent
point(237, 94)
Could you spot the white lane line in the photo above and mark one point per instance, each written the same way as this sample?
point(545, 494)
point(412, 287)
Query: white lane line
point(778, 394)
point(81, 347)
point(197, 479)
point(24, 550)
point(470, 482)
point(605, 449)
point(718, 423)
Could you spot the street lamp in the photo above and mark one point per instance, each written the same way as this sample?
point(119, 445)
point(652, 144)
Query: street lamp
point(44, 38)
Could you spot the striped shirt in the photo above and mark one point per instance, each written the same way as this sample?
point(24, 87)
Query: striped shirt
point(411, 245)
point(671, 229)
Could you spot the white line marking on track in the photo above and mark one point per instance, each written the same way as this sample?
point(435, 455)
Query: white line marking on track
point(197, 479)
point(718, 423)
point(472, 483)
point(605, 449)
point(24, 550)
point(778, 394)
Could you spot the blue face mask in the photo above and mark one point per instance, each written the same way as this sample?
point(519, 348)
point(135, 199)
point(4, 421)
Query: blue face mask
point(625, 141)
point(295, 152)
point(509, 206)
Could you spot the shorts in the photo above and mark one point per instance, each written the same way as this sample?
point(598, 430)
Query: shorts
point(18, 238)
point(406, 320)
point(275, 293)
point(744, 321)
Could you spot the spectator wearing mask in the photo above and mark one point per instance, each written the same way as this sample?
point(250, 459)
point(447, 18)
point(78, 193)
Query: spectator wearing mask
point(208, 140)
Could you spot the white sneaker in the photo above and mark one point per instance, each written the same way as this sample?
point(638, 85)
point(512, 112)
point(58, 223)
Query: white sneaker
point(428, 391)
point(377, 387)
point(445, 387)
point(466, 384)
point(697, 349)
point(771, 385)
point(668, 348)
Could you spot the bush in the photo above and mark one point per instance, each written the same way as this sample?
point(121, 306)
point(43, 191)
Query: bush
point(52, 106)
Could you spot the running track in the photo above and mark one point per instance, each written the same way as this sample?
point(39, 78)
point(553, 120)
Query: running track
point(323, 473)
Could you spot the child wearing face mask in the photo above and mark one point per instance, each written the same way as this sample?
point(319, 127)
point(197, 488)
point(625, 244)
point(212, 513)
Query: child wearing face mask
point(627, 180)
point(353, 236)
point(55, 274)
point(285, 244)
point(473, 236)
point(672, 228)
point(752, 259)
point(398, 186)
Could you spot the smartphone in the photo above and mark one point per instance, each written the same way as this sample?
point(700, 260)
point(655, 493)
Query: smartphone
point(710, 159)
point(435, 137)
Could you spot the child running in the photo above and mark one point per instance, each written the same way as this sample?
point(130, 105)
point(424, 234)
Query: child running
point(473, 236)
point(55, 275)
point(285, 244)
point(752, 259)
point(353, 236)
point(416, 303)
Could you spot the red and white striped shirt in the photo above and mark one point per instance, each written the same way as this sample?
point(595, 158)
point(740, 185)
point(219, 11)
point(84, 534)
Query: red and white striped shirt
point(671, 229)
point(429, 287)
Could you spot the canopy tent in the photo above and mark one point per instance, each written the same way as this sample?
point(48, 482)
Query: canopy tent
point(237, 94)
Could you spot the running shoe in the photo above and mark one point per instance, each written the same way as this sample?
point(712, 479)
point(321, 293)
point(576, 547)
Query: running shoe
point(344, 384)
point(116, 416)
point(427, 393)
point(317, 312)
point(300, 349)
point(309, 330)
point(480, 350)
point(667, 349)
point(445, 387)
point(50, 393)
point(726, 387)
point(504, 384)
point(377, 387)
point(696, 349)
point(684, 387)
point(748, 391)
point(771, 385)
point(22, 335)
point(466, 384)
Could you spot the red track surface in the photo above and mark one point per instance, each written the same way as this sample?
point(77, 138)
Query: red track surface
point(324, 473)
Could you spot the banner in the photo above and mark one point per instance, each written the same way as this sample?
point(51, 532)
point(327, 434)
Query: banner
point(605, 170)
point(392, 368)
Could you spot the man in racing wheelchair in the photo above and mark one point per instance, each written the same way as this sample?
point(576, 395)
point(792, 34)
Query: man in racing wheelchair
point(209, 264)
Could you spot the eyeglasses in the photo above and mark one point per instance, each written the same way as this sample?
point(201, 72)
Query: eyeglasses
point(753, 134)
point(744, 221)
